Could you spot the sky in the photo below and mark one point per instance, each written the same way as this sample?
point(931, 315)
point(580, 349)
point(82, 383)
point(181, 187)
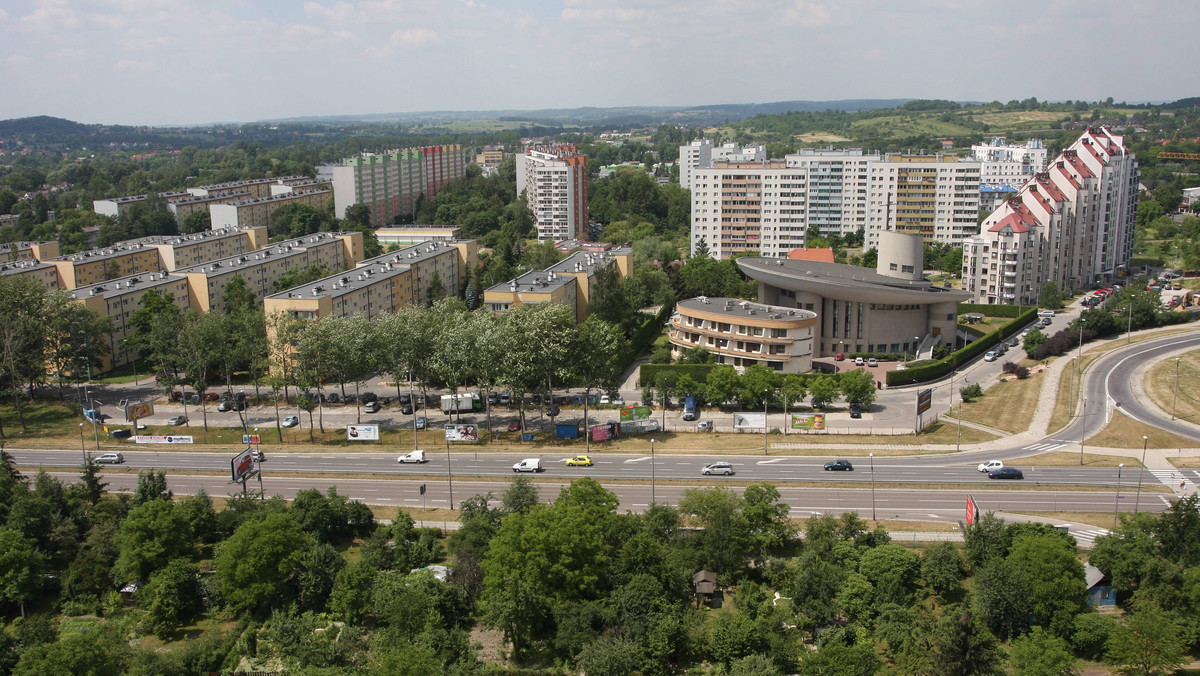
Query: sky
point(168, 62)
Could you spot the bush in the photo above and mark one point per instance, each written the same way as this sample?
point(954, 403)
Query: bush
point(971, 392)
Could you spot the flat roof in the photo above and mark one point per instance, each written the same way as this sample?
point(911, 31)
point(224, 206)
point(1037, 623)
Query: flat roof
point(18, 246)
point(347, 281)
point(417, 252)
point(17, 267)
point(198, 199)
point(123, 285)
point(139, 198)
point(113, 251)
point(739, 308)
point(291, 247)
point(189, 238)
point(282, 197)
point(534, 281)
point(845, 281)
point(587, 261)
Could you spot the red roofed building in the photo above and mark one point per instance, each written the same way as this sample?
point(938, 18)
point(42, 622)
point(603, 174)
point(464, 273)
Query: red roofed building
point(818, 255)
point(1071, 224)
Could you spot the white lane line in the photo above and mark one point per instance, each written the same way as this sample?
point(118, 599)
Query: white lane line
point(388, 499)
point(645, 457)
point(371, 490)
point(770, 462)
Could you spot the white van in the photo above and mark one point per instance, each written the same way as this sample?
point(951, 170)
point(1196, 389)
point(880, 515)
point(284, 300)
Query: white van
point(528, 465)
point(415, 456)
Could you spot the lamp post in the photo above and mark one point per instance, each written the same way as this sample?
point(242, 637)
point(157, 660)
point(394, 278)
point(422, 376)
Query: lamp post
point(872, 456)
point(652, 500)
point(1175, 396)
point(82, 448)
point(1117, 499)
point(916, 344)
point(1129, 326)
point(1082, 430)
point(766, 427)
point(1141, 469)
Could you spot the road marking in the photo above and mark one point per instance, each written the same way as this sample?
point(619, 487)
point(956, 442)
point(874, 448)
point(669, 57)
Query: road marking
point(640, 504)
point(770, 462)
point(1172, 478)
point(1043, 447)
point(645, 457)
point(388, 499)
point(371, 490)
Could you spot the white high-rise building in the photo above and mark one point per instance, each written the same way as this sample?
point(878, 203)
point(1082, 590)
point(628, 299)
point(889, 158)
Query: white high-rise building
point(935, 196)
point(701, 153)
point(1012, 164)
point(1071, 224)
point(555, 179)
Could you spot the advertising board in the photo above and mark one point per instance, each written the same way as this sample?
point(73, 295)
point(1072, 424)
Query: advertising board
point(600, 433)
point(362, 432)
point(251, 439)
point(462, 433)
point(749, 421)
point(161, 439)
point(139, 410)
point(972, 511)
point(241, 464)
point(808, 421)
point(924, 400)
point(635, 413)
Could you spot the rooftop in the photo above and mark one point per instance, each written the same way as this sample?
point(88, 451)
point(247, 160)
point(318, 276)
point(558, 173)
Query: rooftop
point(114, 251)
point(291, 247)
point(587, 261)
point(738, 308)
point(415, 253)
point(366, 274)
point(282, 197)
point(123, 285)
point(17, 267)
point(200, 199)
point(138, 198)
point(845, 281)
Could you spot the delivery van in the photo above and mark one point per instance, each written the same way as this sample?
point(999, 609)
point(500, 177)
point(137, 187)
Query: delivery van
point(528, 465)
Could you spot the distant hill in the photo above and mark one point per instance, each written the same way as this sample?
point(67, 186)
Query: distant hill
point(42, 124)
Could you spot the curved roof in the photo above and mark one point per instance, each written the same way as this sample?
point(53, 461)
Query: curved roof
point(845, 282)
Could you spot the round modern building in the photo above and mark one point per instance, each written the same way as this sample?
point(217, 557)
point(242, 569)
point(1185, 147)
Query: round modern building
point(742, 333)
point(892, 309)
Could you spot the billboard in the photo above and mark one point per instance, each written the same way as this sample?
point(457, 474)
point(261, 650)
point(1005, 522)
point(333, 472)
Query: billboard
point(362, 432)
point(635, 413)
point(160, 439)
point(924, 400)
point(250, 439)
point(601, 433)
point(241, 464)
point(972, 511)
point(808, 421)
point(749, 421)
point(462, 433)
point(139, 410)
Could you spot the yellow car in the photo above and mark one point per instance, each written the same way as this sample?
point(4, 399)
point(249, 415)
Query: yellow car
point(579, 461)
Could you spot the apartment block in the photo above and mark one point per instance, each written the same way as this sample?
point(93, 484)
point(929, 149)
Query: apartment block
point(256, 187)
point(256, 212)
point(45, 274)
point(934, 196)
point(407, 235)
point(554, 179)
point(12, 252)
point(701, 153)
point(182, 207)
point(119, 206)
point(181, 251)
point(391, 182)
point(377, 285)
point(742, 334)
point(568, 282)
point(119, 298)
point(99, 265)
point(1072, 224)
point(1010, 163)
point(260, 269)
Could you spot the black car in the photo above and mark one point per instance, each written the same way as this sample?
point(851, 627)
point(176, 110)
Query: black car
point(536, 400)
point(404, 399)
point(552, 411)
point(332, 398)
point(493, 398)
point(839, 466)
point(349, 399)
point(855, 411)
point(369, 397)
point(1006, 473)
point(120, 434)
point(406, 409)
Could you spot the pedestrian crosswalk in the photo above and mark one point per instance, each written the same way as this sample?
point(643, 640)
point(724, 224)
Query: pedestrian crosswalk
point(1047, 445)
point(1086, 537)
point(1174, 479)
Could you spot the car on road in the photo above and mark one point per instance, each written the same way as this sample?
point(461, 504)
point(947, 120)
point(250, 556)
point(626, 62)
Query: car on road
point(859, 361)
point(514, 426)
point(177, 420)
point(111, 459)
point(990, 465)
point(415, 456)
point(872, 362)
point(990, 356)
point(421, 422)
point(725, 468)
point(258, 455)
point(618, 401)
point(1006, 473)
point(232, 406)
point(855, 411)
point(291, 421)
point(704, 426)
point(579, 461)
point(839, 466)
point(528, 465)
point(409, 408)
point(371, 407)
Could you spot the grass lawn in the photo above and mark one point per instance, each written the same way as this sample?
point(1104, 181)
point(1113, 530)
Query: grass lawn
point(43, 419)
point(1125, 432)
point(1098, 519)
point(1185, 463)
point(1007, 406)
point(1161, 386)
point(1069, 459)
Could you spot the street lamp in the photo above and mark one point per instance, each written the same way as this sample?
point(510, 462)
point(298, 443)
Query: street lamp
point(872, 456)
point(1175, 396)
point(82, 448)
point(1082, 430)
point(1129, 327)
point(1117, 499)
point(652, 499)
point(1138, 498)
point(766, 427)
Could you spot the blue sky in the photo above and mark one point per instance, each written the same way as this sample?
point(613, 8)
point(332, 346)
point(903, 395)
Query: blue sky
point(185, 61)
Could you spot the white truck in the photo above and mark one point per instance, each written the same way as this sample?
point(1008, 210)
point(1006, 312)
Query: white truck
point(461, 403)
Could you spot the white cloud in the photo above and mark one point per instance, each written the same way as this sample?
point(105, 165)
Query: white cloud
point(51, 15)
point(809, 14)
point(413, 37)
point(135, 66)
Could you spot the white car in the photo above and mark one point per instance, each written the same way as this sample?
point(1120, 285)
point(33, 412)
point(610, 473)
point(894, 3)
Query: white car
point(990, 465)
point(990, 356)
point(604, 399)
point(859, 361)
point(415, 456)
point(872, 362)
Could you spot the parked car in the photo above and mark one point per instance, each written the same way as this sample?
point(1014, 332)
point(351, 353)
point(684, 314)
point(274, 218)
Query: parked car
point(855, 411)
point(415, 456)
point(120, 433)
point(990, 465)
point(579, 461)
point(552, 411)
point(371, 407)
point(990, 356)
point(704, 426)
point(111, 459)
point(514, 426)
point(618, 401)
point(536, 400)
point(838, 356)
point(369, 397)
point(859, 361)
point(176, 396)
point(408, 408)
point(350, 399)
point(177, 420)
point(192, 399)
point(404, 399)
point(1006, 473)
point(332, 398)
point(493, 398)
point(839, 466)
point(212, 396)
point(291, 421)
point(872, 362)
point(725, 468)
point(604, 399)
point(232, 406)
point(421, 422)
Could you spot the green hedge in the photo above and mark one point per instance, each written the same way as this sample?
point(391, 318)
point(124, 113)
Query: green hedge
point(1009, 311)
point(699, 373)
point(939, 369)
point(645, 335)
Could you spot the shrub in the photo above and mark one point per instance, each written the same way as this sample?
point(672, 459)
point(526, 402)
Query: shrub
point(971, 392)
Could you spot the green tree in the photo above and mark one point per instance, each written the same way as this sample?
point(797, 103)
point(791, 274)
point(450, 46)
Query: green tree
point(610, 657)
point(255, 565)
point(722, 384)
point(317, 573)
point(825, 390)
point(151, 485)
point(839, 658)
point(351, 593)
point(724, 542)
point(20, 567)
point(1033, 340)
point(858, 387)
point(962, 646)
point(1149, 643)
point(238, 297)
point(943, 568)
point(151, 535)
point(199, 221)
point(89, 479)
point(103, 651)
point(1040, 653)
point(1050, 298)
point(893, 570)
point(1055, 578)
point(171, 597)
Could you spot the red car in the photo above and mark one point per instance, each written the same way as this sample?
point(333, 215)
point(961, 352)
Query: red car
point(211, 396)
point(514, 426)
point(839, 357)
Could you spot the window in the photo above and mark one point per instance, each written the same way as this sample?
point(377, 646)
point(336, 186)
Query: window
point(892, 267)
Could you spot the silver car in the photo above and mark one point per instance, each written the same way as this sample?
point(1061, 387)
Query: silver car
point(725, 468)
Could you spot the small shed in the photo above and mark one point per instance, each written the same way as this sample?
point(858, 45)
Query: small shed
point(705, 585)
point(566, 429)
point(973, 318)
point(1099, 587)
